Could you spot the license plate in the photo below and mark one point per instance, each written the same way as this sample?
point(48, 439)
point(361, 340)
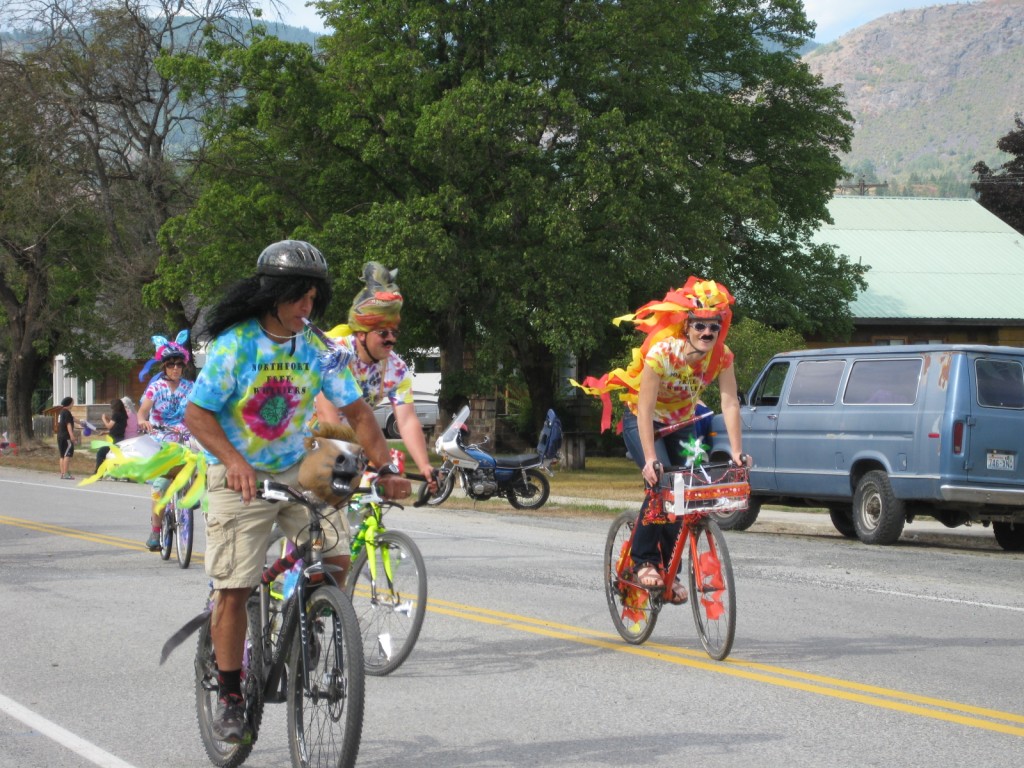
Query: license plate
point(1003, 461)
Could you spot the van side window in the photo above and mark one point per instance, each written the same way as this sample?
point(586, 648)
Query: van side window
point(816, 382)
point(769, 389)
point(1000, 383)
point(883, 381)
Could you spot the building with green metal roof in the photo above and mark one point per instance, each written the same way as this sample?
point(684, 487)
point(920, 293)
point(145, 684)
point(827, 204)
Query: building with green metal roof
point(941, 270)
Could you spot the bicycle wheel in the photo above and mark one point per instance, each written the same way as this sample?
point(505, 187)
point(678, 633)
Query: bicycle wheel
point(183, 520)
point(529, 491)
point(445, 486)
point(325, 721)
point(633, 611)
point(390, 600)
point(712, 589)
point(167, 532)
point(221, 753)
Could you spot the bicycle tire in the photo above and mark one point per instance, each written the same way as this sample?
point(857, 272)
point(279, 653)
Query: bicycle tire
point(166, 532)
point(183, 526)
point(529, 492)
point(325, 723)
point(445, 487)
point(634, 611)
point(221, 753)
point(391, 609)
point(712, 588)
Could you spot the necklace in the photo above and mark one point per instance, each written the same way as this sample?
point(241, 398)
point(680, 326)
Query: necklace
point(278, 336)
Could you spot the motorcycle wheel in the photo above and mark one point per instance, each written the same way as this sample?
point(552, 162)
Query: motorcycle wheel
point(529, 491)
point(445, 486)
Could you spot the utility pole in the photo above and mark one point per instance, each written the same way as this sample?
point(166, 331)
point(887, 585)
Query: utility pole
point(860, 186)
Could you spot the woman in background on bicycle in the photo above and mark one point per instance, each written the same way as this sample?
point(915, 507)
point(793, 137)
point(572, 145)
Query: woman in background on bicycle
point(162, 410)
point(683, 353)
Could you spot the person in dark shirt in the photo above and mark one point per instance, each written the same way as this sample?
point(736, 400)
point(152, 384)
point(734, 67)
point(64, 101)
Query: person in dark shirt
point(66, 437)
point(116, 423)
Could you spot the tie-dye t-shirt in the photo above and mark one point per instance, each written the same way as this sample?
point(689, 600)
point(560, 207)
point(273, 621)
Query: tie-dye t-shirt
point(681, 383)
point(168, 405)
point(389, 379)
point(262, 393)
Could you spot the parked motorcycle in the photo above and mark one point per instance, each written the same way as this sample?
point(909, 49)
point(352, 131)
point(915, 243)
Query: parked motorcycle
point(521, 479)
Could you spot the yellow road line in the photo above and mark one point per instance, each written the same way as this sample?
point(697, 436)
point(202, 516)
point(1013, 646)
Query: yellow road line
point(884, 698)
point(73, 533)
point(869, 695)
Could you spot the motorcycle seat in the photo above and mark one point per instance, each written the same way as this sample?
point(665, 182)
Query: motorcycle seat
point(519, 461)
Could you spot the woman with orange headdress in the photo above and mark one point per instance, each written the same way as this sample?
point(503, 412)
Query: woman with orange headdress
point(683, 353)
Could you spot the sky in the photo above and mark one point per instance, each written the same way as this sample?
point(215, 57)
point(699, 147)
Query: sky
point(833, 17)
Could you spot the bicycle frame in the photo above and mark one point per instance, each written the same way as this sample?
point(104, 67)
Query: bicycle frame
point(317, 574)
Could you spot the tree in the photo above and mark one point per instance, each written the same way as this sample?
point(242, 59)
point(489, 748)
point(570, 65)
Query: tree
point(93, 138)
point(535, 169)
point(48, 230)
point(1002, 191)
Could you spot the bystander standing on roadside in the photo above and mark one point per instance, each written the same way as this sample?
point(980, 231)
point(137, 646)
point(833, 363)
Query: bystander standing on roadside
point(116, 423)
point(66, 437)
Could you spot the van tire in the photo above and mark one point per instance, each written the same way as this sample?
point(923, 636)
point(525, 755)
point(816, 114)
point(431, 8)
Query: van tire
point(1010, 536)
point(741, 519)
point(878, 516)
point(842, 519)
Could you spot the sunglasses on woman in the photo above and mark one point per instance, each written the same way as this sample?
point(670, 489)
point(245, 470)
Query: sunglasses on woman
point(701, 327)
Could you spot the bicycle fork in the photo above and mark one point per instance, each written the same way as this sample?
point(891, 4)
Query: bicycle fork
point(707, 572)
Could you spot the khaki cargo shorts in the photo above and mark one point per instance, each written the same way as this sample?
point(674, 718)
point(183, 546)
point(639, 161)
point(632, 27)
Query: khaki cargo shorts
point(237, 534)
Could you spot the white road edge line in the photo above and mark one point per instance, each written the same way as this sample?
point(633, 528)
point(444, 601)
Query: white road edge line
point(76, 744)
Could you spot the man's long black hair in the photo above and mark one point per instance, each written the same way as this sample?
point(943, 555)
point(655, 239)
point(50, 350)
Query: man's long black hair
point(254, 297)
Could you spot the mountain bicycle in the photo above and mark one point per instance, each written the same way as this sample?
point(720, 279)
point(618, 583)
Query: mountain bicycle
point(305, 651)
point(387, 581)
point(176, 524)
point(176, 519)
point(697, 493)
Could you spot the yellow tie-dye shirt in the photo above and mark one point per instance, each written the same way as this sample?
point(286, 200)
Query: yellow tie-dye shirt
point(681, 383)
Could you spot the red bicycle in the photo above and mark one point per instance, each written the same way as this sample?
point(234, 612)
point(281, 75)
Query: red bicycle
point(695, 495)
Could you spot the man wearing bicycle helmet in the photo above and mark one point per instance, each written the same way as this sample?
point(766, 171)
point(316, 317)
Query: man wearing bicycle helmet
point(370, 337)
point(683, 353)
point(162, 410)
point(249, 410)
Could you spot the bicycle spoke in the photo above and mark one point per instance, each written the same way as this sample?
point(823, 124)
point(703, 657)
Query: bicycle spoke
point(634, 612)
point(388, 587)
point(712, 589)
point(325, 710)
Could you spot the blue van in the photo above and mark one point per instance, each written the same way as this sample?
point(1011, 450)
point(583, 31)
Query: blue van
point(880, 435)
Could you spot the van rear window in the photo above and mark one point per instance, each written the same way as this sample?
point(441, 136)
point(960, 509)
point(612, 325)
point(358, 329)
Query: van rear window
point(1000, 383)
point(883, 381)
point(816, 382)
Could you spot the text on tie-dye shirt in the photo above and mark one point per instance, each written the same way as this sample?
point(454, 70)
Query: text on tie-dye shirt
point(262, 393)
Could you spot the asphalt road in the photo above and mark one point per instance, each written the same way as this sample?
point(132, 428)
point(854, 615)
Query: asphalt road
point(845, 654)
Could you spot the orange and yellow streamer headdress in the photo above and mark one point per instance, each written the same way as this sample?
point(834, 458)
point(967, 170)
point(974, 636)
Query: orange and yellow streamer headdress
point(700, 299)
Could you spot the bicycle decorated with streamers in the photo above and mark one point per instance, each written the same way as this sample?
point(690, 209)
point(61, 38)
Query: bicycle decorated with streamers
point(387, 581)
point(696, 494)
point(166, 452)
point(304, 650)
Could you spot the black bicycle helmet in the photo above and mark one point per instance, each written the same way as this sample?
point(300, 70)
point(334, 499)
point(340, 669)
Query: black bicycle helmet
point(292, 257)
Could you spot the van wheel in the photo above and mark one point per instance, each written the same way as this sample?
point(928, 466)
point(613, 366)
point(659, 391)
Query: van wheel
point(878, 516)
point(740, 519)
point(842, 519)
point(1010, 536)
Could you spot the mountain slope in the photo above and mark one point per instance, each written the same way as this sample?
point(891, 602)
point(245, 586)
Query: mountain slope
point(931, 89)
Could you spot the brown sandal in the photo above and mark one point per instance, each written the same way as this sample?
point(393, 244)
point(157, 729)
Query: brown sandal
point(649, 577)
point(679, 595)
